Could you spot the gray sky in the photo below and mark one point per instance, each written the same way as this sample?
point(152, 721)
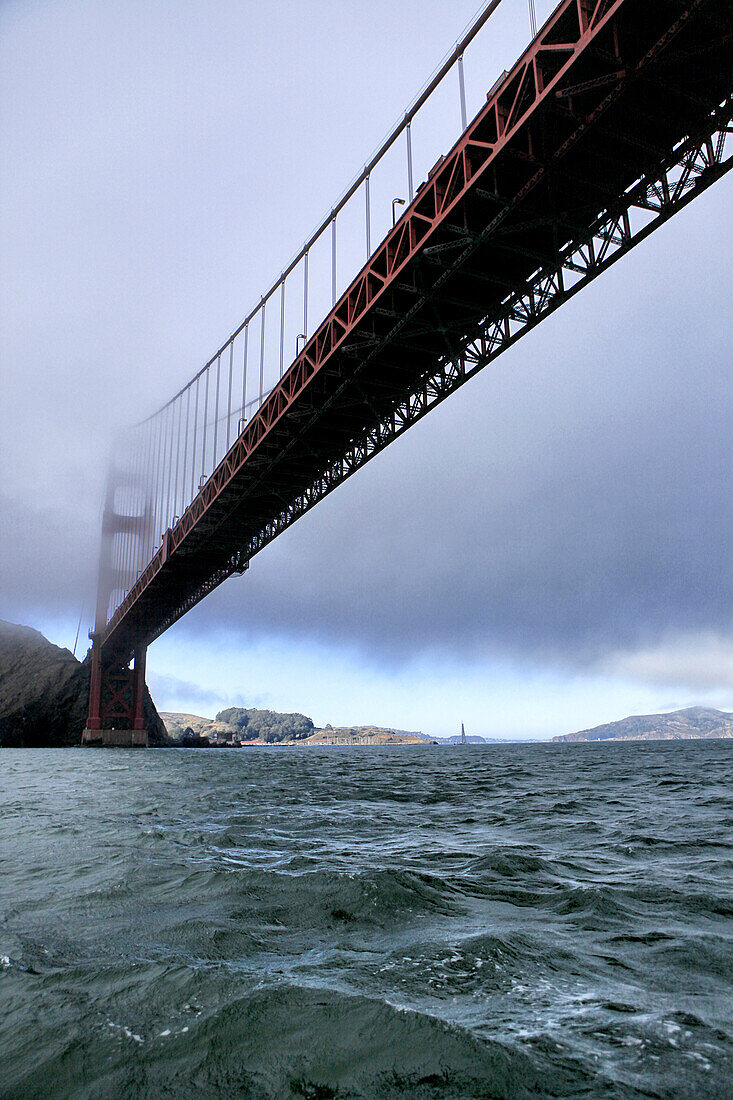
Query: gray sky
point(549, 549)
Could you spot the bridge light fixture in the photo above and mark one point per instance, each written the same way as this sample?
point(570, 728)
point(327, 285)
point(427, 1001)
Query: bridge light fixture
point(395, 204)
point(298, 338)
point(241, 425)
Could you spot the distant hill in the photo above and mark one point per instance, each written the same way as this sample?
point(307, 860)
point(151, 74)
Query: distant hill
point(181, 725)
point(678, 725)
point(239, 723)
point(365, 735)
point(268, 727)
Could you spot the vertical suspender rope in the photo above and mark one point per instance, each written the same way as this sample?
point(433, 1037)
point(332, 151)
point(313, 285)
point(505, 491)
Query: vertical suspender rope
point(206, 414)
point(178, 459)
point(462, 89)
point(156, 502)
point(185, 450)
point(161, 477)
point(129, 511)
point(410, 185)
point(229, 396)
point(282, 327)
point(132, 494)
point(368, 218)
point(216, 413)
point(76, 640)
point(164, 433)
point(262, 351)
point(165, 482)
point(405, 124)
point(244, 373)
point(153, 484)
point(168, 511)
point(148, 495)
point(193, 449)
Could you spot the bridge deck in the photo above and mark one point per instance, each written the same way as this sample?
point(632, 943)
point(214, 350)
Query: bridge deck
point(601, 98)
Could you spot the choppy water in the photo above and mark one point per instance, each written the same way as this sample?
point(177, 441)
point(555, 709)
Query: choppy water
point(500, 921)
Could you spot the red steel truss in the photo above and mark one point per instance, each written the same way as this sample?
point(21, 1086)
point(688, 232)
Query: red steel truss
point(614, 118)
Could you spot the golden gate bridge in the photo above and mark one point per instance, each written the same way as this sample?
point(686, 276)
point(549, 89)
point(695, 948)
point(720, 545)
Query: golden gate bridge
point(614, 118)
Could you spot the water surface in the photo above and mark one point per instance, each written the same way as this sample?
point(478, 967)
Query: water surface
point(422, 922)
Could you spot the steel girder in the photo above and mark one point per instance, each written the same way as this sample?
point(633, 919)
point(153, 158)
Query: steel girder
point(700, 165)
point(517, 218)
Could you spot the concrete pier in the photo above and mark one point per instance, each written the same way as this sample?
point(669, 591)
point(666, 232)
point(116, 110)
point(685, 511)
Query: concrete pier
point(117, 738)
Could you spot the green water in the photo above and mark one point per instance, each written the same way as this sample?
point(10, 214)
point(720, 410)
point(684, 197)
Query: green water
point(498, 921)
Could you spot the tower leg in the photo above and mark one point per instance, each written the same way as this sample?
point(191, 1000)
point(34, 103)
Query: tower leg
point(116, 703)
point(93, 731)
point(138, 720)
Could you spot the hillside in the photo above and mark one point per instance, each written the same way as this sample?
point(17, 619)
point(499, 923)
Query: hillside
point(44, 693)
point(364, 735)
point(678, 725)
point(179, 725)
point(267, 727)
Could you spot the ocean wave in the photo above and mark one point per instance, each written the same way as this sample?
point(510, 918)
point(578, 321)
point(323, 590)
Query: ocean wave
point(289, 1043)
point(360, 925)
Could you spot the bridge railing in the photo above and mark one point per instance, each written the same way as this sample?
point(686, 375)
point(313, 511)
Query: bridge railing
point(161, 464)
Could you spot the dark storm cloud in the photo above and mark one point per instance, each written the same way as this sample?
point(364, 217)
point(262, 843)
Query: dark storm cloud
point(574, 501)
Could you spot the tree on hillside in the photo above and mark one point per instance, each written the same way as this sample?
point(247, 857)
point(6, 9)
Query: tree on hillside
point(268, 725)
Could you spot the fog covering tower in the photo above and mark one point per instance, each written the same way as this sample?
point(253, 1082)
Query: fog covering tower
point(117, 687)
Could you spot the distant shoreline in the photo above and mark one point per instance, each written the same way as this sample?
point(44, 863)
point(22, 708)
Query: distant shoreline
point(690, 724)
point(194, 731)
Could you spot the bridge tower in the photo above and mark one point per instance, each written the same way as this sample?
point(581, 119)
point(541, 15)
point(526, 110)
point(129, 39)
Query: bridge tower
point(116, 714)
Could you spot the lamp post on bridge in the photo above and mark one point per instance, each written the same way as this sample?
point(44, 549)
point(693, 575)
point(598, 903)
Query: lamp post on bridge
point(395, 204)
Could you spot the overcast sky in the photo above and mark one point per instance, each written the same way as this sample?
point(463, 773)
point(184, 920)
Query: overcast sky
point(549, 549)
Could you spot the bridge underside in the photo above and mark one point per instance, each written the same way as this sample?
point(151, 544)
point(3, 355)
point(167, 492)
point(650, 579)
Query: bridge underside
point(614, 119)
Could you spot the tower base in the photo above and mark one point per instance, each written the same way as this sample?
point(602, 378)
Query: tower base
point(117, 738)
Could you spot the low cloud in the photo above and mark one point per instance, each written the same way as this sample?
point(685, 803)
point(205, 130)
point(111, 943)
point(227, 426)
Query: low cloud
point(701, 663)
point(170, 691)
point(173, 693)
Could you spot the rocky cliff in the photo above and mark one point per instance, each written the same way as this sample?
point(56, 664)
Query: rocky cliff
point(678, 725)
point(44, 692)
